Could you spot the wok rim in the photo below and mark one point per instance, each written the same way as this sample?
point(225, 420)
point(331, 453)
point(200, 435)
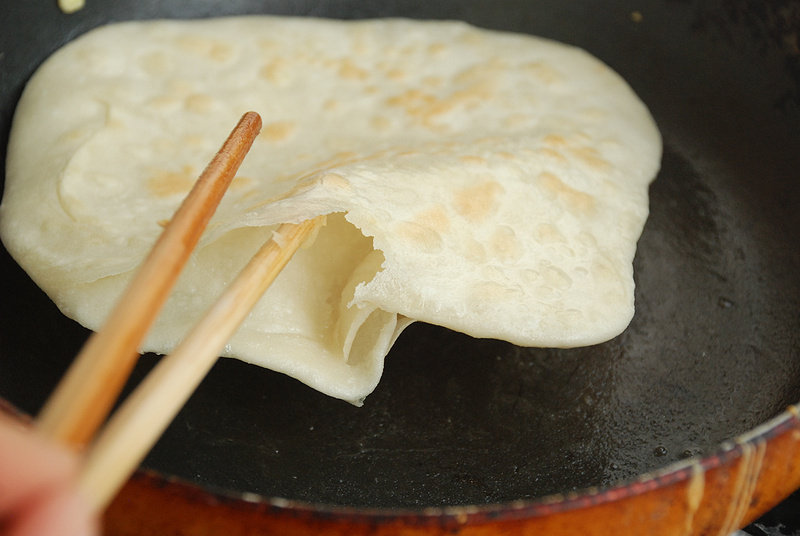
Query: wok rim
point(445, 520)
point(727, 453)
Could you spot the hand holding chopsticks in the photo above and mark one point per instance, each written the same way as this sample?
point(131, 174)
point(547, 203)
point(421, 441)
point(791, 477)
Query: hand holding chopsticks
point(85, 396)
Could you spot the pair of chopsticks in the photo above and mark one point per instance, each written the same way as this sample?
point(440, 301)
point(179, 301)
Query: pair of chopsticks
point(84, 397)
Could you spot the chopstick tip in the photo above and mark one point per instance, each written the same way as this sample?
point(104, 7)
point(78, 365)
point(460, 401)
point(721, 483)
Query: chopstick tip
point(253, 118)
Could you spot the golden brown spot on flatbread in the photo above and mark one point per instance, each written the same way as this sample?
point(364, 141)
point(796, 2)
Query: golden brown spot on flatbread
point(575, 200)
point(199, 103)
point(433, 81)
point(180, 88)
point(380, 122)
point(544, 72)
point(480, 72)
point(167, 183)
point(471, 38)
point(516, 120)
point(424, 239)
point(552, 154)
point(278, 131)
point(551, 183)
point(202, 46)
point(267, 44)
point(492, 140)
point(240, 183)
point(504, 244)
point(548, 233)
point(590, 157)
point(408, 50)
point(426, 107)
point(165, 145)
point(220, 52)
point(349, 71)
point(334, 180)
point(193, 43)
point(434, 218)
point(331, 105)
point(554, 140)
point(197, 140)
point(88, 55)
point(581, 137)
point(154, 64)
point(476, 203)
point(436, 48)
point(412, 100)
point(396, 74)
point(594, 114)
point(276, 71)
point(473, 160)
point(76, 134)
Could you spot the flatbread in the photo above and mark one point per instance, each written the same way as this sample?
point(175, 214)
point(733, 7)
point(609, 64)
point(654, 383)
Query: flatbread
point(492, 183)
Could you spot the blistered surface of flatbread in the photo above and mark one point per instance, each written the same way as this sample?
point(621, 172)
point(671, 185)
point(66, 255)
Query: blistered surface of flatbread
point(492, 183)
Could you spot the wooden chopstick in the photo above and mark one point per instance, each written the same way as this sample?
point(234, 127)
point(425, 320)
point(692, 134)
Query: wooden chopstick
point(85, 395)
point(142, 418)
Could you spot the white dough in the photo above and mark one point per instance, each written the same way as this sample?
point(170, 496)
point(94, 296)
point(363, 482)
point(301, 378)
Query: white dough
point(492, 183)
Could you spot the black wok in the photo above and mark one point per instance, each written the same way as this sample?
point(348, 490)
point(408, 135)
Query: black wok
point(713, 351)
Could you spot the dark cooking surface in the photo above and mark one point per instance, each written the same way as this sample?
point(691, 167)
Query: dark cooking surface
point(783, 520)
point(712, 352)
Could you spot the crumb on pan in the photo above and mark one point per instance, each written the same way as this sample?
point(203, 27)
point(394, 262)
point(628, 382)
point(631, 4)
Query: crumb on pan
point(71, 6)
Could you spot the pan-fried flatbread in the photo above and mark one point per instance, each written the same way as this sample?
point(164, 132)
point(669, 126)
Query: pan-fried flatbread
point(492, 183)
